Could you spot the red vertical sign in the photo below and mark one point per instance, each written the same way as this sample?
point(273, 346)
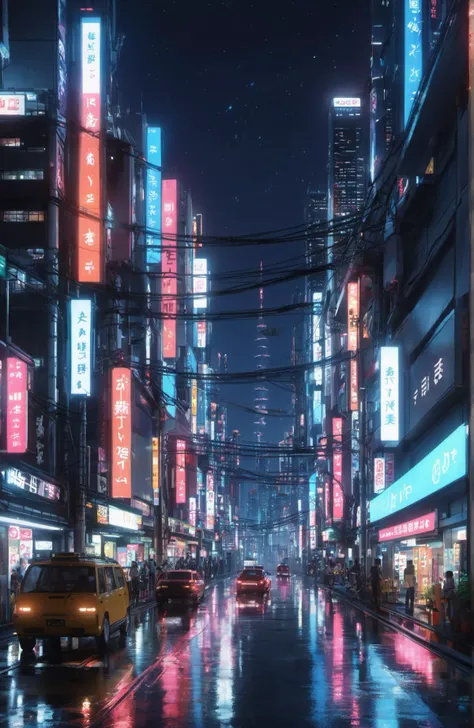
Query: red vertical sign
point(169, 270)
point(17, 405)
point(354, 386)
point(337, 496)
point(121, 417)
point(180, 471)
point(89, 225)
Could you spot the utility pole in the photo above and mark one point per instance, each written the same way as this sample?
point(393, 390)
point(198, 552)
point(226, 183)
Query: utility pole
point(362, 478)
point(471, 299)
point(80, 522)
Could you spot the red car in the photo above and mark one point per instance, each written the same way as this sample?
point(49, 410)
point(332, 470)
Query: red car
point(180, 584)
point(253, 581)
point(283, 571)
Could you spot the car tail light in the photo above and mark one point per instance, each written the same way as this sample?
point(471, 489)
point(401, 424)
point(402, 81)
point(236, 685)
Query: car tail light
point(239, 581)
point(24, 609)
point(262, 581)
point(87, 609)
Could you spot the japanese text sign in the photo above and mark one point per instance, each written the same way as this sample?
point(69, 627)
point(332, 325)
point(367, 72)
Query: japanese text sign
point(353, 312)
point(12, 104)
point(121, 419)
point(155, 469)
point(210, 501)
point(201, 334)
point(33, 484)
point(192, 511)
point(180, 471)
point(312, 510)
point(346, 103)
point(337, 495)
point(379, 475)
point(169, 270)
point(80, 342)
point(200, 282)
point(389, 394)
point(89, 225)
point(409, 529)
point(432, 374)
point(413, 53)
point(354, 388)
point(444, 465)
point(153, 195)
point(17, 405)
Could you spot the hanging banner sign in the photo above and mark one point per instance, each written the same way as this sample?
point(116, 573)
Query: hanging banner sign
point(169, 270)
point(337, 495)
point(389, 394)
point(379, 475)
point(17, 405)
point(81, 349)
point(121, 419)
point(155, 469)
point(180, 471)
point(353, 312)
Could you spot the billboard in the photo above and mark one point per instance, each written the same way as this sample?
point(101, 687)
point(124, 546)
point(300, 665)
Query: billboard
point(192, 511)
point(89, 225)
point(413, 53)
point(353, 312)
point(169, 270)
point(180, 471)
point(155, 469)
point(444, 465)
point(312, 511)
point(121, 433)
point(200, 283)
point(12, 104)
point(168, 385)
point(337, 495)
point(346, 103)
point(81, 346)
point(379, 475)
point(17, 405)
point(153, 195)
point(409, 529)
point(389, 394)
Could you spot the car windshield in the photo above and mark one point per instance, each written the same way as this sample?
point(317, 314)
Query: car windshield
point(178, 576)
point(251, 574)
point(283, 568)
point(69, 579)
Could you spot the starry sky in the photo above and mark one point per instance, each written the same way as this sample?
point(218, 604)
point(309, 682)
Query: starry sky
point(241, 89)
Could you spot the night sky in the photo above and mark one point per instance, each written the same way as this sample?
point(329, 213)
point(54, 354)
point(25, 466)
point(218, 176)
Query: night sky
point(242, 90)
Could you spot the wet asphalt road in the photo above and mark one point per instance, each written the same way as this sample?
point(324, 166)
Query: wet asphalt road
point(299, 659)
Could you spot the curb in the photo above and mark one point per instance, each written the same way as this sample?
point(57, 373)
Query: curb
point(439, 650)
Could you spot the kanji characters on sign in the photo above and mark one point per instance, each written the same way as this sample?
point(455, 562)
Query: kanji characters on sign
point(121, 426)
point(17, 405)
point(169, 283)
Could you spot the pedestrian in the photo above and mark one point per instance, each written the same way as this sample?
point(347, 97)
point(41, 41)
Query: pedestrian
point(449, 592)
point(410, 584)
point(135, 582)
point(375, 578)
point(152, 574)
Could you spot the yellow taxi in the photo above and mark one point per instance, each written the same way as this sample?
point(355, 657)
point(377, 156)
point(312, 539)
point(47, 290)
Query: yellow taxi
point(72, 596)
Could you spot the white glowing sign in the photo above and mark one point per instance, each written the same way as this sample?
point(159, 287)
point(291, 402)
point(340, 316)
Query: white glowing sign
point(200, 283)
point(12, 104)
point(346, 103)
point(389, 394)
point(81, 350)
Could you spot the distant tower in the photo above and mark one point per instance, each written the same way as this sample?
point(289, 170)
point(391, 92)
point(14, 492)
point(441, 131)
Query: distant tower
point(261, 360)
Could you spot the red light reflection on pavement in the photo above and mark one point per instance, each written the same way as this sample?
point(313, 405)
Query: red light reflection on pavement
point(337, 678)
point(415, 656)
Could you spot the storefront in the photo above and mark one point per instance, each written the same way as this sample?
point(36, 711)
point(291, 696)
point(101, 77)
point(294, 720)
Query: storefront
point(116, 533)
point(422, 518)
point(32, 526)
point(183, 542)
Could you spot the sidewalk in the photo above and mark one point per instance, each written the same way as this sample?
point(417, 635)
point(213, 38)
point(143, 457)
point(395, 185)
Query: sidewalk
point(454, 645)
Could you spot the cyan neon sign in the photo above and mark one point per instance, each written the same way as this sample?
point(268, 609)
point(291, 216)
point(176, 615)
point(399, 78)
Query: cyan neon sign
point(153, 195)
point(413, 53)
point(443, 466)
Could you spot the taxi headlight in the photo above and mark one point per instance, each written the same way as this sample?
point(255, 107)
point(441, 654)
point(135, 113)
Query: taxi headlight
point(24, 609)
point(87, 609)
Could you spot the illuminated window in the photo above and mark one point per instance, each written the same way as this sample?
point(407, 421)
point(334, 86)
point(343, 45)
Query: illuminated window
point(10, 142)
point(430, 167)
point(22, 174)
point(22, 216)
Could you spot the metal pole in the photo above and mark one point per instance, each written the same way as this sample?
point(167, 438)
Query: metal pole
point(471, 299)
point(80, 524)
point(363, 482)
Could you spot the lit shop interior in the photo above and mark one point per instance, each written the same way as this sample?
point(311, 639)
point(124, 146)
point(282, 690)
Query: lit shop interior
point(120, 534)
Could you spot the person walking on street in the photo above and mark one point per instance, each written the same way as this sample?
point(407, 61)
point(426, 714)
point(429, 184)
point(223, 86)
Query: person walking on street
point(410, 584)
point(134, 578)
point(376, 578)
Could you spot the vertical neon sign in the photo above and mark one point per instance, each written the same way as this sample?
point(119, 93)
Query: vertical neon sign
point(121, 417)
point(312, 511)
point(17, 405)
point(337, 497)
point(169, 284)
point(353, 316)
point(180, 471)
point(210, 502)
point(413, 53)
point(155, 469)
point(81, 351)
point(89, 228)
point(153, 195)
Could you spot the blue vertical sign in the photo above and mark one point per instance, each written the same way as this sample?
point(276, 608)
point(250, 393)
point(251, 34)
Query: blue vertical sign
point(153, 195)
point(413, 53)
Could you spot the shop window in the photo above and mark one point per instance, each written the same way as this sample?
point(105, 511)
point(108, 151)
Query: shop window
point(22, 174)
point(10, 142)
point(23, 216)
point(119, 577)
point(109, 579)
point(101, 577)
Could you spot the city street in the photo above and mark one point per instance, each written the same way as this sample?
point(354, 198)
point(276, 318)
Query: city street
point(300, 659)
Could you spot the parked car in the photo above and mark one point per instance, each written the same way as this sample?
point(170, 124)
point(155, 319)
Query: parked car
point(72, 596)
